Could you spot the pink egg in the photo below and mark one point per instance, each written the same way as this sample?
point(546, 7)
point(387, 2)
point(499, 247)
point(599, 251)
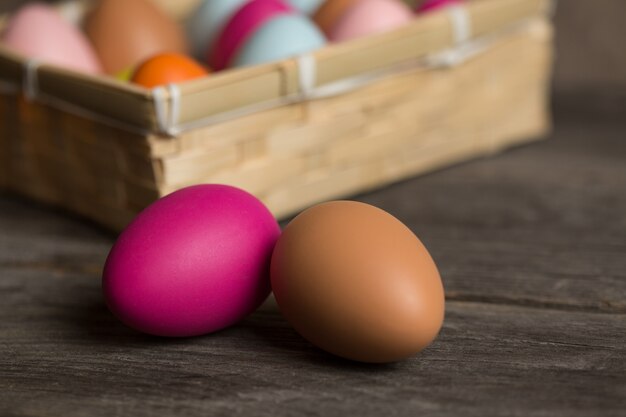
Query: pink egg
point(242, 25)
point(191, 263)
point(432, 5)
point(368, 17)
point(38, 31)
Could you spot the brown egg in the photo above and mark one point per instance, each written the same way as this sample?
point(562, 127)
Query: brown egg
point(330, 12)
point(356, 282)
point(126, 32)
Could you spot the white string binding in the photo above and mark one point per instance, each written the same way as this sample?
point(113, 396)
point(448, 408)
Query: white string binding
point(462, 32)
point(174, 94)
point(167, 98)
point(31, 83)
point(461, 23)
point(307, 75)
point(158, 94)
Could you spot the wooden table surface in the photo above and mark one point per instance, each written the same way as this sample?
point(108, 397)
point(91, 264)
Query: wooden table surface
point(531, 245)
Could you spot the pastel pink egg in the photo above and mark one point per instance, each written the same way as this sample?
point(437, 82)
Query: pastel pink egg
point(37, 31)
point(370, 16)
point(241, 26)
point(432, 5)
point(191, 263)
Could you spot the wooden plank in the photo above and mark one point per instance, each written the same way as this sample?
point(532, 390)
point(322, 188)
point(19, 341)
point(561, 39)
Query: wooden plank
point(542, 225)
point(530, 245)
point(67, 355)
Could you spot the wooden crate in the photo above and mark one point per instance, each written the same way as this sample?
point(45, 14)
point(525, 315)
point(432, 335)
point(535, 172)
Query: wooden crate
point(346, 118)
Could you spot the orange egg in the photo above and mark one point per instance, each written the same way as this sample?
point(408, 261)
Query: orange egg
point(330, 12)
point(167, 68)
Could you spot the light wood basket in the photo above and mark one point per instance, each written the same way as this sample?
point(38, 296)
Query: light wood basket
point(343, 119)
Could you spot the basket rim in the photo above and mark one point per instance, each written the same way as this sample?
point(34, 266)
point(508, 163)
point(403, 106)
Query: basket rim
point(228, 94)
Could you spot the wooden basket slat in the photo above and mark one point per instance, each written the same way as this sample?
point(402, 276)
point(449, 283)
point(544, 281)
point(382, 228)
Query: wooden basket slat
point(399, 126)
point(246, 87)
point(120, 102)
point(295, 154)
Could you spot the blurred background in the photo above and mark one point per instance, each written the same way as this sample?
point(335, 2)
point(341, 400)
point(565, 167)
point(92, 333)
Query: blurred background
point(591, 59)
point(590, 55)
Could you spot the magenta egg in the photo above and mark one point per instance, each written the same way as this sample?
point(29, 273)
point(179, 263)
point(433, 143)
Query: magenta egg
point(191, 263)
point(432, 5)
point(241, 26)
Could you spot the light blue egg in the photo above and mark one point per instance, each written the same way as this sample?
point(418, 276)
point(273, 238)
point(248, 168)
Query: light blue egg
point(207, 21)
point(306, 6)
point(281, 37)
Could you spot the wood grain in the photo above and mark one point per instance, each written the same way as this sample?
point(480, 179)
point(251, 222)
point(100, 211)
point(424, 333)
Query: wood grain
point(531, 248)
point(75, 359)
point(543, 225)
